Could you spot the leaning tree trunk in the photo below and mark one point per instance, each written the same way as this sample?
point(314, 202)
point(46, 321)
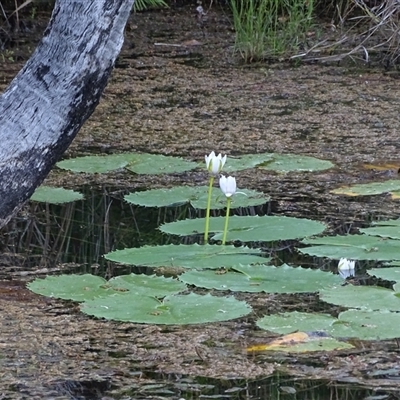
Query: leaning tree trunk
point(55, 93)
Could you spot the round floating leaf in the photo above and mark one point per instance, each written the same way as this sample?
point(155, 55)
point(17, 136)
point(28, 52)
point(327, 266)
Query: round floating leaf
point(315, 344)
point(356, 247)
point(389, 274)
point(389, 222)
point(366, 297)
point(52, 195)
point(158, 164)
point(187, 256)
point(175, 309)
point(70, 287)
point(369, 189)
point(293, 162)
point(367, 325)
point(247, 161)
point(145, 285)
point(196, 196)
point(392, 264)
point(295, 321)
point(263, 278)
point(277, 162)
point(390, 228)
point(249, 228)
point(382, 231)
point(361, 324)
point(96, 164)
point(140, 163)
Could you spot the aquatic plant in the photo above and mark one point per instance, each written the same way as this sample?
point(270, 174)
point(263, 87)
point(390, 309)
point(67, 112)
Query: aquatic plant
point(175, 304)
point(218, 267)
point(268, 28)
point(228, 187)
point(214, 166)
point(54, 195)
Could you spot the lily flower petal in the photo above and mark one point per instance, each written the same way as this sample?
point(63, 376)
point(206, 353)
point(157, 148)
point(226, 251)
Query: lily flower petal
point(215, 163)
point(227, 185)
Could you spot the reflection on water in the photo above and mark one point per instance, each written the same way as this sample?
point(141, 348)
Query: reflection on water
point(80, 232)
point(275, 387)
point(46, 235)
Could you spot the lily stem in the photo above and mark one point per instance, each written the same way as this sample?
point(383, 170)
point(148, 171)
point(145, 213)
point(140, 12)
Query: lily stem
point(207, 227)
point(228, 208)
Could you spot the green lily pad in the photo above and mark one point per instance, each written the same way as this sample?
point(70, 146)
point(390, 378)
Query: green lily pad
point(296, 321)
point(389, 274)
point(369, 189)
point(87, 287)
point(175, 309)
point(70, 287)
point(392, 264)
point(53, 195)
point(389, 222)
point(356, 247)
point(387, 229)
point(363, 297)
point(158, 164)
point(317, 344)
point(367, 325)
point(263, 278)
point(247, 161)
point(361, 324)
point(277, 162)
point(187, 256)
point(96, 164)
point(249, 228)
point(146, 285)
point(139, 163)
point(293, 162)
point(196, 196)
point(382, 231)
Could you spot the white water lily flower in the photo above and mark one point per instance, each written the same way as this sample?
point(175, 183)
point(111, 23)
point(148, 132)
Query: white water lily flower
point(227, 185)
point(215, 163)
point(346, 268)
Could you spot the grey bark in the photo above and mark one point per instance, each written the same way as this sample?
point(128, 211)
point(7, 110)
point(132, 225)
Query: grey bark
point(55, 93)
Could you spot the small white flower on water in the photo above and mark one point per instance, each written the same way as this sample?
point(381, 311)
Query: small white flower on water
point(215, 163)
point(346, 268)
point(227, 185)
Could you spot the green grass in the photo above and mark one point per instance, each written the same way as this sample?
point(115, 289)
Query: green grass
point(270, 28)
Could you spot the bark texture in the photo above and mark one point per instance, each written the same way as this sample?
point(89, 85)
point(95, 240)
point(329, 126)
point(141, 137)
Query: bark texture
point(55, 93)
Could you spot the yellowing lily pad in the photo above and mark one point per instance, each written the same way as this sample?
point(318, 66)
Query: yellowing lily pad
point(369, 189)
point(301, 342)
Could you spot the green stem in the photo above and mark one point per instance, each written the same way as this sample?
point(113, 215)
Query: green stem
point(228, 207)
point(208, 210)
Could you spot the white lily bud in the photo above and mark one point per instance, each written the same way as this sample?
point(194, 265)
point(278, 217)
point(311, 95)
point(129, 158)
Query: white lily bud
point(346, 268)
point(215, 163)
point(227, 185)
